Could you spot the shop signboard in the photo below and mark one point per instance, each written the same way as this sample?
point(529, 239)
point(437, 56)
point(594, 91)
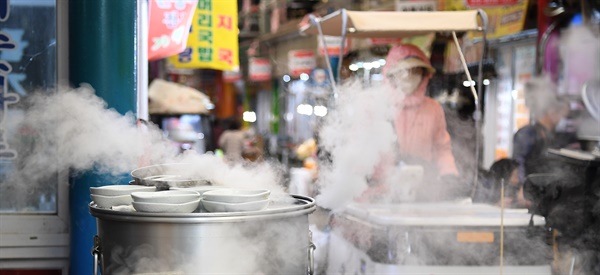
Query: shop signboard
point(232, 76)
point(169, 24)
point(504, 19)
point(416, 5)
point(333, 44)
point(6, 97)
point(489, 3)
point(259, 69)
point(213, 38)
point(301, 61)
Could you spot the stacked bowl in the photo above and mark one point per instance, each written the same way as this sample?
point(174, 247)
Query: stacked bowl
point(110, 196)
point(170, 201)
point(235, 200)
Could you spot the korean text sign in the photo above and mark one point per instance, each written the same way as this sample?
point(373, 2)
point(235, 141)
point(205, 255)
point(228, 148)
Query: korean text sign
point(213, 39)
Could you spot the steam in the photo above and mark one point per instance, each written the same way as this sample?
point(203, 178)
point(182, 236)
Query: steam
point(73, 129)
point(357, 133)
point(540, 95)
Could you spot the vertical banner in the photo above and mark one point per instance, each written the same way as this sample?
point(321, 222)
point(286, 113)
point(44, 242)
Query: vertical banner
point(213, 39)
point(301, 61)
point(259, 69)
point(170, 21)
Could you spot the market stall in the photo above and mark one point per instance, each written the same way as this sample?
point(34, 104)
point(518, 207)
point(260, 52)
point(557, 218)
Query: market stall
point(390, 24)
point(429, 237)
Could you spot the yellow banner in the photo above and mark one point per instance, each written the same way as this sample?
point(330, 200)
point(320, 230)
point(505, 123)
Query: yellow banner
point(502, 19)
point(213, 39)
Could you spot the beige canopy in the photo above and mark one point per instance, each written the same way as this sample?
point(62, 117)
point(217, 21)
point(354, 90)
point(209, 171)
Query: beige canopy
point(167, 97)
point(393, 24)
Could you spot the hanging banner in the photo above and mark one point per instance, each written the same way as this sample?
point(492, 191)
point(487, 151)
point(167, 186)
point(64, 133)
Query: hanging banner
point(333, 44)
point(213, 39)
point(259, 69)
point(301, 61)
point(170, 21)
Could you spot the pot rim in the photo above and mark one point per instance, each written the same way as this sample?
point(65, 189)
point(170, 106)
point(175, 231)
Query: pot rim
point(307, 206)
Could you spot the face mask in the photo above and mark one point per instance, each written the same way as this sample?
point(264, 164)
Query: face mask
point(405, 80)
point(410, 83)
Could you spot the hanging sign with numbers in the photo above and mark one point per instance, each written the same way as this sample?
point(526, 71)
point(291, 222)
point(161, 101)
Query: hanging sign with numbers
point(213, 38)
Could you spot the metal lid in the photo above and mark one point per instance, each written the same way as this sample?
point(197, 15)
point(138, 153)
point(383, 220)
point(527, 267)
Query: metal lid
point(168, 175)
point(300, 205)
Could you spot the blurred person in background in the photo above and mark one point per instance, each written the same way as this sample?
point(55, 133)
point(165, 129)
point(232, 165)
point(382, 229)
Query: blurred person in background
point(232, 141)
point(419, 121)
point(531, 142)
point(490, 189)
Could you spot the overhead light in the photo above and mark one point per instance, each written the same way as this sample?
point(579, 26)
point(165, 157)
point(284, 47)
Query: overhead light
point(286, 78)
point(304, 109)
point(304, 76)
point(467, 84)
point(320, 111)
point(249, 116)
point(353, 67)
point(486, 82)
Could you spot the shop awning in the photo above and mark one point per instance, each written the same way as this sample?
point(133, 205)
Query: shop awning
point(171, 98)
point(394, 24)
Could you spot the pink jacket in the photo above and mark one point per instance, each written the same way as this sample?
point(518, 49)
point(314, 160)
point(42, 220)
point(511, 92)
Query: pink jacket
point(420, 122)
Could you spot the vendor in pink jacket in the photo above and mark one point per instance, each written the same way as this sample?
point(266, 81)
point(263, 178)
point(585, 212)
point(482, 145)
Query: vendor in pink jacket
point(419, 121)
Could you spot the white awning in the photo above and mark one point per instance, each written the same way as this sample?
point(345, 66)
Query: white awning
point(395, 24)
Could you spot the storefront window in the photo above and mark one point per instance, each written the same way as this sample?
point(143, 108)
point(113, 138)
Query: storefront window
point(28, 65)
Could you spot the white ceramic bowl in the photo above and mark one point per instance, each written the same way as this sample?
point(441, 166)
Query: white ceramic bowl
point(109, 201)
point(231, 195)
point(119, 190)
point(200, 189)
point(170, 196)
point(187, 207)
point(215, 206)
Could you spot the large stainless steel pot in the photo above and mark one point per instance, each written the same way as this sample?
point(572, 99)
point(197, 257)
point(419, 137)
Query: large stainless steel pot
point(272, 241)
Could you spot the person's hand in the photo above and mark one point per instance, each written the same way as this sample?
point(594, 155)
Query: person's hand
point(522, 201)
